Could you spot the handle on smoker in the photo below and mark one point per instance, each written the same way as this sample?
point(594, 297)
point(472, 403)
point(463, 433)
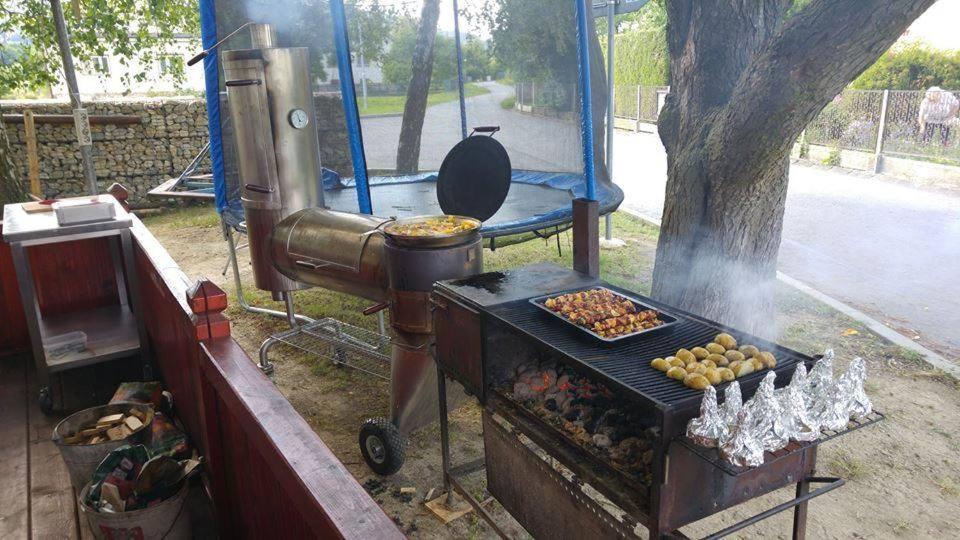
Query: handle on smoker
point(310, 265)
point(376, 307)
point(258, 189)
point(244, 82)
point(197, 58)
point(486, 129)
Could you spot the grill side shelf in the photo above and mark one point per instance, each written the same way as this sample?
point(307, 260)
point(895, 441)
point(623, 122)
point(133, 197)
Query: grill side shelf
point(713, 457)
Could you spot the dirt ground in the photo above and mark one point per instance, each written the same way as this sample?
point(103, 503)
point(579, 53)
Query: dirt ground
point(903, 475)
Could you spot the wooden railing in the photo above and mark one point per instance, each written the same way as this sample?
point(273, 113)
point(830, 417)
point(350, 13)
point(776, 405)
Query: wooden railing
point(268, 473)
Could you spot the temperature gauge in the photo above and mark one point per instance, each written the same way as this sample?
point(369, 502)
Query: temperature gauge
point(298, 118)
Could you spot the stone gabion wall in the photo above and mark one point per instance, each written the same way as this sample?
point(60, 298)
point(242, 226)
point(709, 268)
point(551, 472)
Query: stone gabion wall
point(171, 132)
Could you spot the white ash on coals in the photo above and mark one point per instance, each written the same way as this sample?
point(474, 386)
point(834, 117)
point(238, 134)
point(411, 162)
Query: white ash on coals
point(586, 412)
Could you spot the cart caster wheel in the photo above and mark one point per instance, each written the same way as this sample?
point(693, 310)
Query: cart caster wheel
point(46, 401)
point(339, 357)
point(382, 446)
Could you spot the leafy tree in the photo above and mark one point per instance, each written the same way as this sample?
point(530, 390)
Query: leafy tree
point(913, 67)
point(746, 78)
point(641, 46)
point(415, 107)
point(142, 29)
point(478, 61)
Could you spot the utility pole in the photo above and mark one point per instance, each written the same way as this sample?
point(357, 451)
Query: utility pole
point(80, 119)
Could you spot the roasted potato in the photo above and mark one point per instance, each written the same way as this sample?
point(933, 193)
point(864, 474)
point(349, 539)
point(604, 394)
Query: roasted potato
point(674, 361)
point(713, 375)
point(709, 363)
point(686, 356)
point(726, 341)
point(733, 356)
point(718, 359)
point(696, 381)
point(714, 348)
point(677, 373)
point(700, 352)
point(757, 363)
point(743, 368)
point(698, 368)
point(660, 364)
point(768, 359)
point(749, 351)
point(726, 374)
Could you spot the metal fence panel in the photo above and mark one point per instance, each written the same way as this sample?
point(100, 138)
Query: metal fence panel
point(903, 136)
point(851, 121)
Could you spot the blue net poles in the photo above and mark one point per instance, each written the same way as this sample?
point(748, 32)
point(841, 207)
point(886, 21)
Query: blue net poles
point(351, 114)
point(586, 97)
point(211, 76)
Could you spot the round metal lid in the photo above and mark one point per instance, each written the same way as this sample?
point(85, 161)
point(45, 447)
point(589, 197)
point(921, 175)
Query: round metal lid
point(474, 178)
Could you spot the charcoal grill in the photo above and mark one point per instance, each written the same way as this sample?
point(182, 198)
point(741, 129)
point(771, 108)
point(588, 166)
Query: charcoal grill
point(485, 327)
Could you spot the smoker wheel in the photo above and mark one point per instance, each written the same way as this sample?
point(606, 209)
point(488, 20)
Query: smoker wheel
point(382, 446)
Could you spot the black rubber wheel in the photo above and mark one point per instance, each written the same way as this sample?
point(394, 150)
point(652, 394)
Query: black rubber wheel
point(382, 446)
point(46, 401)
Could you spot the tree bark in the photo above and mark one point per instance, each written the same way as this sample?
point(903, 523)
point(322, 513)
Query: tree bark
point(11, 187)
point(746, 77)
point(415, 108)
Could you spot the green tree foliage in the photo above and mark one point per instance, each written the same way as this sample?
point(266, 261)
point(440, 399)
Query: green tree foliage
point(397, 60)
point(641, 46)
point(142, 29)
point(913, 67)
point(533, 41)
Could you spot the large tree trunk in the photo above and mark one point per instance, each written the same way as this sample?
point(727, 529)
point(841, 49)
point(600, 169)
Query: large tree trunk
point(11, 187)
point(746, 78)
point(415, 108)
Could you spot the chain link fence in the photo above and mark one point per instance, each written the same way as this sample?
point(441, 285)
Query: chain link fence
point(549, 97)
point(638, 103)
point(855, 119)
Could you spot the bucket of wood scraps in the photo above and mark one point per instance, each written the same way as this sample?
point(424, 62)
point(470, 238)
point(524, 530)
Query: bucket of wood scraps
point(86, 437)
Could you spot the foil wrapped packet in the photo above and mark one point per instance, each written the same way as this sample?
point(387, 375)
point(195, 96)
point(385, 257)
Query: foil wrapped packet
point(818, 390)
point(732, 403)
point(860, 404)
point(848, 398)
point(709, 429)
point(767, 415)
point(743, 447)
point(797, 422)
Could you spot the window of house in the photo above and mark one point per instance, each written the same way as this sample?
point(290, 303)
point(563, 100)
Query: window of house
point(170, 65)
point(101, 65)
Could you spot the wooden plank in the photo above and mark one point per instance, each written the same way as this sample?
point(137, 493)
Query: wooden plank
point(13, 332)
point(73, 276)
point(33, 157)
point(53, 511)
point(14, 489)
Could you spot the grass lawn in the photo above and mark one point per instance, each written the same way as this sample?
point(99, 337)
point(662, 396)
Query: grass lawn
point(906, 465)
point(394, 104)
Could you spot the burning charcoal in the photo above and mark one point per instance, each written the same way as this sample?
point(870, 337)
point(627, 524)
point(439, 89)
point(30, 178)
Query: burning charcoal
point(629, 450)
point(860, 405)
point(550, 404)
point(768, 415)
point(522, 391)
point(732, 402)
point(743, 448)
point(709, 429)
point(572, 414)
point(602, 440)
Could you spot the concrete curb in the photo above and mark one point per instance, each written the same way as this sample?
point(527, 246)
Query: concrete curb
point(875, 326)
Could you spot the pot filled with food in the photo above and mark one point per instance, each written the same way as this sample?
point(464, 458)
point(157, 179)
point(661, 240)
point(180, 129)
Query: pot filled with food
point(427, 232)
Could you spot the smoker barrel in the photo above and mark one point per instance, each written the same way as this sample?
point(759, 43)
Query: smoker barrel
point(333, 250)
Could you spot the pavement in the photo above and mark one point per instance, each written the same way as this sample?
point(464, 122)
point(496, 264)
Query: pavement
point(887, 249)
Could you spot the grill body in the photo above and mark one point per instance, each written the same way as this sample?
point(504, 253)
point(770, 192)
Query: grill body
point(485, 327)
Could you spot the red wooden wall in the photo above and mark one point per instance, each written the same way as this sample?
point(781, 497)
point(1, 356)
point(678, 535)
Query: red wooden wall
point(13, 328)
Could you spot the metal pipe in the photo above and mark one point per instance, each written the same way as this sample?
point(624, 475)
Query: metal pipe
point(611, 27)
point(291, 314)
point(80, 118)
point(456, 36)
point(350, 112)
point(586, 97)
point(203, 54)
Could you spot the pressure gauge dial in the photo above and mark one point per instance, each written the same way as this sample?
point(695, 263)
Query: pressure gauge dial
point(298, 118)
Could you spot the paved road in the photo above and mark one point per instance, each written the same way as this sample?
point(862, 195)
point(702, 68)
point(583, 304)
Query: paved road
point(890, 250)
point(535, 143)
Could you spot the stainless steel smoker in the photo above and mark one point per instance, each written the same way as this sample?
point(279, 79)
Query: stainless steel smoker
point(277, 148)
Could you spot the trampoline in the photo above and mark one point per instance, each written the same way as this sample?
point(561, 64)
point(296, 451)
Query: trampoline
point(548, 144)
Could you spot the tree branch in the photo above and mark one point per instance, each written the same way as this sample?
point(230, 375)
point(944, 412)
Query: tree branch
point(813, 57)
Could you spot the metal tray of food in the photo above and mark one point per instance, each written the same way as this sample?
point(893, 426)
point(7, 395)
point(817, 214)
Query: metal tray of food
point(666, 318)
point(404, 231)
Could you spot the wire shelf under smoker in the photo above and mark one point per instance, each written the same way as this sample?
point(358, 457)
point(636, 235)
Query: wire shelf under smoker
point(712, 455)
point(342, 344)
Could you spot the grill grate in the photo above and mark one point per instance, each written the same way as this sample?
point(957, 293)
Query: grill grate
point(626, 363)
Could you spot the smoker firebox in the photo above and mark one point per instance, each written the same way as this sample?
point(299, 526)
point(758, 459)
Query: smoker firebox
point(489, 337)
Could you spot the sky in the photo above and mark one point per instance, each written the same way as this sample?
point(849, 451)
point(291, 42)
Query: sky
point(939, 27)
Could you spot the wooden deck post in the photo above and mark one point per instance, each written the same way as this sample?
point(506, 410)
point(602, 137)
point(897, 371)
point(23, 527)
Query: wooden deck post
point(33, 157)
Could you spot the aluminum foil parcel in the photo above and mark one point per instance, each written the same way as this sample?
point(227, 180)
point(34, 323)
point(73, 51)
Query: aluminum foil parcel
point(710, 428)
point(768, 415)
point(743, 447)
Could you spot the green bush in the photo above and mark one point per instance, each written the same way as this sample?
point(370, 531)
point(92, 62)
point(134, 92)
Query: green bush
point(913, 67)
point(509, 103)
point(833, 158)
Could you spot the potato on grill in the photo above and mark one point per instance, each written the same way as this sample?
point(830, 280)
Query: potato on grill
point(677, 373)
point(715, 363)
point(749, 351)
point(768, 359)
point(713, 375)
point(686, 356)
point(699, 353)
point(718, 359)
point(660, 365)
point(733, 356)
point(714, 348)
point(696, 381)
point(726, 341)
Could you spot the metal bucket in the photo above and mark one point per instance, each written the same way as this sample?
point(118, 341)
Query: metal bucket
point(167, 520)
point(82, 459)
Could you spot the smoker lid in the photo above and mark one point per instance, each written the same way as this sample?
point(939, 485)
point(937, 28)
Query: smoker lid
point(474, 178)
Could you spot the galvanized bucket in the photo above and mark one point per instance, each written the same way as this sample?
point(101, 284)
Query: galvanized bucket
point(168, 520)
point(82, 459)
